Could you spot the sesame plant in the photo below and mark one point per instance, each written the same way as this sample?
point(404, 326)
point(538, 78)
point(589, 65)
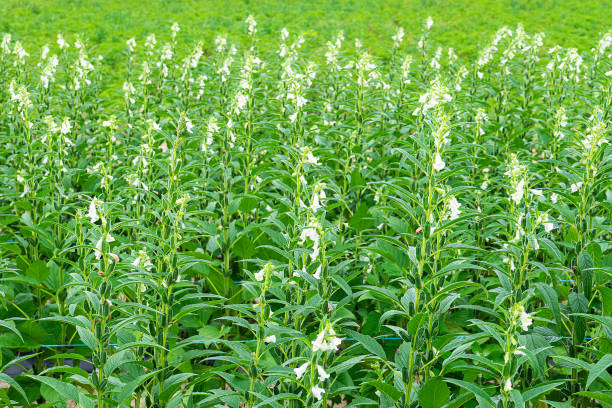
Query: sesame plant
point(234, 227)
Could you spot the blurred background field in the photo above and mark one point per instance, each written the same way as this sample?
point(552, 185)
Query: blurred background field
point(464, 25)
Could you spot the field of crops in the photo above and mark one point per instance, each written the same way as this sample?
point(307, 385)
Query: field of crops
point(263, 226)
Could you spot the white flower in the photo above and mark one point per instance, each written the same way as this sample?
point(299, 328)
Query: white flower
point(66, 126)
point(316, 205)
point(128, 91)
point(188, 125)
point(453, 206)
point(261, 275)
point(5, 44)
point(536, 192)
point(317, 392)
point(317, 274)
point(319, 194)
point(438, 162)
point(310, 158)
point(554, 197)
point(547, 223)
point(315, 251)
point(270, 339)
point(142, 261)
point(61, 42)
point(429, 22)
point(436, 95)
point(183, 200)
point(150, 41)
point(93, 213)
point(48, 71)
point(576, 186)
point(213, 127)
point(111, 123)
point(131, 44)
point(398, 37)
point(220, 42)
point(153, 125)
point(284, 34)
point(104, 238)
point(299, 371)
point(312, 233)
point(300, 101)
point(326, 340)
point(241, 101)
point(517, 196)
point(519, 351)
point(525, 319)
point(322, 374)
point(508, 385)
point(251, 24)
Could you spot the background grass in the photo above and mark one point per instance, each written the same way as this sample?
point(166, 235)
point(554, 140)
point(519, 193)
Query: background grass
point(464, 25)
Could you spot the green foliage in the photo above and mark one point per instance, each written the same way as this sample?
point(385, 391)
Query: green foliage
point(242, 222)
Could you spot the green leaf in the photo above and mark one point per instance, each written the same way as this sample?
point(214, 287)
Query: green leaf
point(606, 299)
point(370, 325)
point(603, 397)
point(551, 300)
point(14, 384)
point(459, 401)
point(342, 366)
point(402, 358)
point(66, 390)
point(244, 247)
point(555, 404)
point(605, 320)
point(209, 331)
point(415, 323)
point(356, 178)
point(368, 342)
point(50, 394)
point(578, 304)
point(434, 394)
point(585, 262)
point(474, 389)
point(115, 361)
point(173, 382)
point(535, 392)
point(11, 327)
point(128, 389)
point(551, 249)
point(387, 389)
point(38, 270)
point(360, 219)
point(517, 398)
point(585, 265)
point(599, 368)
point(87, 337)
